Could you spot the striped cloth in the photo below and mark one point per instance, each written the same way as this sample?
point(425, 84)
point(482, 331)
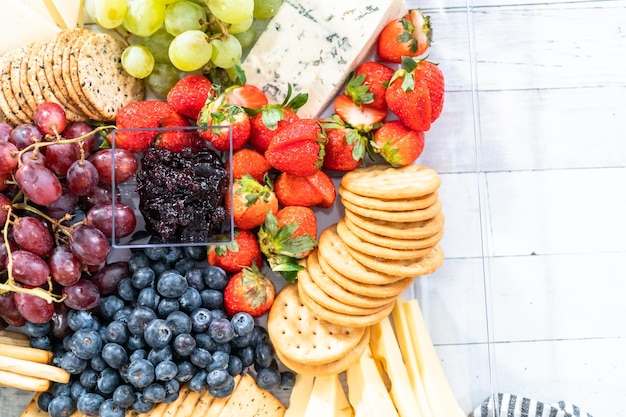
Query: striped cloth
point(509, 405)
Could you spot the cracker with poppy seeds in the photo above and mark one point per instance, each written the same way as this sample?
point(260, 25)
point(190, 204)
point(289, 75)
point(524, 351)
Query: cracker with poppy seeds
point(20, 93)
point(5, 109)
point(250, 400)
point(9, 97)
point(70, 67)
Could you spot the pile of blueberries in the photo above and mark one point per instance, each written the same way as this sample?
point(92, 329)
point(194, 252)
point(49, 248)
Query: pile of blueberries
point(164, 327)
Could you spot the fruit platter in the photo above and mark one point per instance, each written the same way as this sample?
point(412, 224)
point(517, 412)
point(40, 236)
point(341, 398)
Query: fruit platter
point(219, 208)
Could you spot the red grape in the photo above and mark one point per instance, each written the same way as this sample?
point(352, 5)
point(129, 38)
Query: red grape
point(102, 194)
point(83, 295)
point(49, 117)
point(89, 245)
point(64, 267)
point(60, 327)
point(5, 204)
point(60, 156)
point(8, 156)
point(35, 156)
point(32, 308)
point(78, 129)
point(29, 268)
point(38, 183)
point(32, 235)
point(3, 250)
point(5, 177)
point(8, 311)
point(107, 278)
point(101, 216)
point(25, 135)
point(5, 132)
point(82, 177)
point(126, 164)
point(66, 204)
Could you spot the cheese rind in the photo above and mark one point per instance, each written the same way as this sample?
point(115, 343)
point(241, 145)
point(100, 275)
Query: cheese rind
point(314, 46)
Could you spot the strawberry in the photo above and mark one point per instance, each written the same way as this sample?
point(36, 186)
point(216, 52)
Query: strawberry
point(190, 94)
point(246, 95)
point(284, 242)
point(298, 148)
point(176, 140)
point(368, 84)
point(147, 114)
point(433, 76)
point(251, 200)
point(220, 113)
point(361, 117)
point(408, 36)
point(249, 291)
point(398, 144)
point(248, 161)
point(408, 97)
point(346, 146)
point(242, 252)
point(315, 190)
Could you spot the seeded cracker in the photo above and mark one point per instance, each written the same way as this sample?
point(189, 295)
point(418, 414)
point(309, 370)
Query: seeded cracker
point(5, 76)
point(29, 95)
point(103, 80)
point(63, 42)
point(70, 67)
point(16, 84)
point(4, 105)
point(60, 94)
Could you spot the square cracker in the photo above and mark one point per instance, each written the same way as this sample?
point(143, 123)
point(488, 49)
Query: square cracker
point(250, 400)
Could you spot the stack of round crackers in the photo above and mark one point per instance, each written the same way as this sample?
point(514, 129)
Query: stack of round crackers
point(79, 69)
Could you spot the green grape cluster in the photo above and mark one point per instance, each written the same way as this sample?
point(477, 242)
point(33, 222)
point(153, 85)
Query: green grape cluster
point(167, 37)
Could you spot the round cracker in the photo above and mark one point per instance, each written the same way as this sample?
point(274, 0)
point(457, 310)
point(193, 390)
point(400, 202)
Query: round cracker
point(345, 319)
point(330, 368)
point(393, 243)
point(395, 216)
point(59, 92)
point(61, 44)
point(338, 292)
point(400, 230)
point(105, 84)
point(20, 58)
point(389, 205)
point(31, 73)
point(387, 291)
point(7, 91)
point(378, 251)
point(29, 94)
point(335, 251)
point(9, 116)
point(303, 337)
point(386, 182)
point(405, 267)
point(69, 65)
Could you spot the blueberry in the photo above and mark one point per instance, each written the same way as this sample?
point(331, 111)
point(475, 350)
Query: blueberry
point(41, 342)
point(218, 313)
point(239, 342)
point(246, 355)
point(215, 278)
point(126, 291)
point(143, 278)
point(140, 373)
point(173, 255)
point(235, 366)
point(141, 406)
point(268, 378)
point(108, 408)
point(158, 355)
point(190, 300)
point(184, 265)
point(171, 284)
point(200, 319)
point(160, 267)
point(154, 393)
point(67, 342)
point(36, 329)
point(138, 354)
point(259, 335)
point(59, 388)
point(135, 342)
point(117, 332)
point(184, 344)
point(165, 370)
point(139, 318)
point(172, 396)
point(205, 341)
point(73, 364)
point(110, 305)
point(195, 279)
point(167, 306)
point(243, 323)
point(172, 386)
point(197, 253)
point(97, 363)
point(79, 319)
point(217, 378)
point(157, 333)
point(61, 406)
point(123, 314)
point(89, 404)
point(198, 381)
point(138, 260)
point(124, 396)
point(220, 360)
point(148, 297)
point(76, 390)
point(155, 253)
point(263, 354)
point(114, 355)
point(186, 371)
point(179, 322)
point(44, 400)
point(212, 299)
point(224, 391)
point(287, 380)
point(200, 357)
point(108, 380)
point(223, 347)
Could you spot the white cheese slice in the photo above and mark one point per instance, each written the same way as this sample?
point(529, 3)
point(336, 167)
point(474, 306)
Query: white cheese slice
point(386, 350)
point(20, 26)
point(68, 11)
point(314, 45)
point(328, 398)
point(367, 392)
point(300, 394)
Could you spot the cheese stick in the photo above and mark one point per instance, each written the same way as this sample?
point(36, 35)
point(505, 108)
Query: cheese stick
point(9, 337)
point(26, 353)
point(23, 382)
point(44, 371)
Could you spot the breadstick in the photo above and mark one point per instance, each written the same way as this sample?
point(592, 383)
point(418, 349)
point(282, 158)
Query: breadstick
point(23, 382)
point(14, 338)
point(26, 353)
point(20, 366)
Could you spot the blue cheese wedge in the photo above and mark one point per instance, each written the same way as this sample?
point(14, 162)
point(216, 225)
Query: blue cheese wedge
point(314, 45)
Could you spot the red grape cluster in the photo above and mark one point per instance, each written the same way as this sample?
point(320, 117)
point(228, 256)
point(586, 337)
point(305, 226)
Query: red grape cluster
point(56, 214)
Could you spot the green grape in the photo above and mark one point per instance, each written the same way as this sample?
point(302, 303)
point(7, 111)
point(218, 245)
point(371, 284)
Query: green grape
point(166, 1)
point(162, 79)
point(184, 15)
point(137, 60)
point(266, 9)
point(110, 13)
point(144, 17)
point(247, 38)
point(231, 11)
point(226, 52)
point(190, 50)
point(158, 43)
point(241, 27)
